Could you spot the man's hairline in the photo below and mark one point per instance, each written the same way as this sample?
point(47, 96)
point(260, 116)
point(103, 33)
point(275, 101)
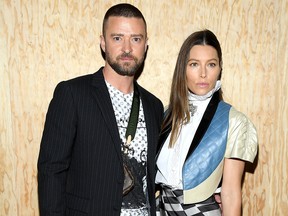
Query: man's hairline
point(106, 21)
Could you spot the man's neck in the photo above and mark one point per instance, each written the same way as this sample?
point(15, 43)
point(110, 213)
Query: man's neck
point(122, 83)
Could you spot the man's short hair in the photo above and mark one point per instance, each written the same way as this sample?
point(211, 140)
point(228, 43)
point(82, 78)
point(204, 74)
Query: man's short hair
point(122, 10)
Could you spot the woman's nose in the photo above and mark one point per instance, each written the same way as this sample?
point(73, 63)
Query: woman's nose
point(203, 72)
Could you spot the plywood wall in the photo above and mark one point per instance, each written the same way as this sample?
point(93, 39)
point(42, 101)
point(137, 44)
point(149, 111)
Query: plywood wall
point(44, 42)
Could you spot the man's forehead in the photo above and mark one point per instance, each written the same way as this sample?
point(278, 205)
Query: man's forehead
point(126, 25)
point(122, 19)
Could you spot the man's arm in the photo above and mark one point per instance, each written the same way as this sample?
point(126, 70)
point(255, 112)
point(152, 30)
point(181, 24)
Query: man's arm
point(55, 151)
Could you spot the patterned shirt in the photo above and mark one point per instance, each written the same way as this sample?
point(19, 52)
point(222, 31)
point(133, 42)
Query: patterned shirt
point(134, 203)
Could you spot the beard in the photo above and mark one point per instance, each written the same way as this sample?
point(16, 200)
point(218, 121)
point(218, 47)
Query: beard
point(127, 68)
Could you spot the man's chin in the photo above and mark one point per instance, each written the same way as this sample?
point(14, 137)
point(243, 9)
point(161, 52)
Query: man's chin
point(126, 69)
point(130, 74)
point(125, 73)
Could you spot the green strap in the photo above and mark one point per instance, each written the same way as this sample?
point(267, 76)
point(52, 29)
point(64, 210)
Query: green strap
point(133, 119)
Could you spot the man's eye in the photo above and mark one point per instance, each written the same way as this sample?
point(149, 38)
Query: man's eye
point(136, 39)
point(117, 38)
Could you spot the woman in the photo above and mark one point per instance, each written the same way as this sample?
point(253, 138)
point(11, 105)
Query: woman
point(204, 141)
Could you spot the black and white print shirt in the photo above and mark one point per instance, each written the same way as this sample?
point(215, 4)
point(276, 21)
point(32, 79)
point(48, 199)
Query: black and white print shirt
point(135, 202)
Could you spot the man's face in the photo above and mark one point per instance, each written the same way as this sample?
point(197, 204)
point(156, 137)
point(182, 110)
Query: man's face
point(124, 44)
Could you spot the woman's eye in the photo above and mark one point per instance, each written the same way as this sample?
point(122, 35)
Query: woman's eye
point(211, 65)
point(193, 64)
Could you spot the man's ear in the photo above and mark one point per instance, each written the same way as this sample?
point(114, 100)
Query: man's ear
point(102, 43)
point(146, 45)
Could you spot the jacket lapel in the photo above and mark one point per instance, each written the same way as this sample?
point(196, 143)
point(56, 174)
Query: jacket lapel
point(102, 97)
point(147, 108)
point(151, 130)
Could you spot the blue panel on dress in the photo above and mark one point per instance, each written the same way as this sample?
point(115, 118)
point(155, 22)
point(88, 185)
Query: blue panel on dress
point(210, 151)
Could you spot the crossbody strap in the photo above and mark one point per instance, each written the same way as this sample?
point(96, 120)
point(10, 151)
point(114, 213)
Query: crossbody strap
point(133, 118)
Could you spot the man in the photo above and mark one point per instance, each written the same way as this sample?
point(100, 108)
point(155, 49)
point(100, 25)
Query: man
point(84, 143)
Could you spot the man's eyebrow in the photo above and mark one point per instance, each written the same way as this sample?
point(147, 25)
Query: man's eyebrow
point(137, 35)
point(116, 34)
point(132, 35)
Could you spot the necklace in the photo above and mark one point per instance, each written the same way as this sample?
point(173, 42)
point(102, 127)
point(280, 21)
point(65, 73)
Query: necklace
point(192, 109)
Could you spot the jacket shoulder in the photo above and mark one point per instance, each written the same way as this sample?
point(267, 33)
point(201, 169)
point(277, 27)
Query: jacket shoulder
point(149, 95)
point(82, 81)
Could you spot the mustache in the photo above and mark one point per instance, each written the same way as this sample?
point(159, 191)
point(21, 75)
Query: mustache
point(126, 55)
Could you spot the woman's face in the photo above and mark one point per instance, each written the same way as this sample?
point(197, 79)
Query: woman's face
point(203, 69)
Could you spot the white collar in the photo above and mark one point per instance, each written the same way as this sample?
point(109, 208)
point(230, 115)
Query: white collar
point(193, 97)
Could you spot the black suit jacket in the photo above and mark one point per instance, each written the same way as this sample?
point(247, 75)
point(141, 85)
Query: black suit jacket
point(80, 168)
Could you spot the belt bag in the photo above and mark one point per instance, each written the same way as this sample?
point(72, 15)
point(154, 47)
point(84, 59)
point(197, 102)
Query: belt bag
point(128, 180)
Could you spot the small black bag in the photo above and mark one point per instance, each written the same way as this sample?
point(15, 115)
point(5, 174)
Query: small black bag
point(128, 180)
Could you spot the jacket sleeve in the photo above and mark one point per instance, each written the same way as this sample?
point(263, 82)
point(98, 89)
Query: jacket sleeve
point(242, 140)
point(55, 151)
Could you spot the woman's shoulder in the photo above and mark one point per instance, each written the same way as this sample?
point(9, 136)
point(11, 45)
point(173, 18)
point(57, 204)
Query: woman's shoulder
point(242, 138)
point(237, 115)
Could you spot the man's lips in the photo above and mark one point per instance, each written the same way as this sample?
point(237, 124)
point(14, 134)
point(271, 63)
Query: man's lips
point(127, 58)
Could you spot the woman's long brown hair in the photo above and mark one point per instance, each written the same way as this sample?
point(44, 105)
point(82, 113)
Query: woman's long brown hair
point(177, 113)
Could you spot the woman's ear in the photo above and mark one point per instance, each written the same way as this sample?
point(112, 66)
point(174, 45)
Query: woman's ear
point(220, 74)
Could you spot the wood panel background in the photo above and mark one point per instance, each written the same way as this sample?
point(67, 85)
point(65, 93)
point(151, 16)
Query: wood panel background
point(44, 42)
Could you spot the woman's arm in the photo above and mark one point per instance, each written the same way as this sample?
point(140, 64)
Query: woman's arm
point(231, 195)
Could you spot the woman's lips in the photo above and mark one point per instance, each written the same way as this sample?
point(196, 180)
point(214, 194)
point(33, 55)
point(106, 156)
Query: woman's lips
point(202, 85)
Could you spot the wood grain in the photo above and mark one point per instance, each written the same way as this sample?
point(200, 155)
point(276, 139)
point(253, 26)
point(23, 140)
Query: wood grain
point(44, 42)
